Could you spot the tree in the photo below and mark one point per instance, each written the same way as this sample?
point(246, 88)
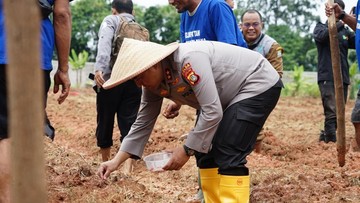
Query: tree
point(170, 30)
point(163, 24)
point(295, 46)
point(87, 16)
point(312, 59)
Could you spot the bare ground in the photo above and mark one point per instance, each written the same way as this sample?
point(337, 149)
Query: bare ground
point(293, 166)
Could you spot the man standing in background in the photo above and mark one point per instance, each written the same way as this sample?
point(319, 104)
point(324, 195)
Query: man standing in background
point(325, 76)
point(353, 23)
point(123, 100)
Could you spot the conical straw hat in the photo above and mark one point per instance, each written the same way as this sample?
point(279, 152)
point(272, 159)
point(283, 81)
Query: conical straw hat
point(135, 57)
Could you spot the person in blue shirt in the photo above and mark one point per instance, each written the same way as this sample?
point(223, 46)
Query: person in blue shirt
point(353, 23)
point(208, 20)
point(53, 34)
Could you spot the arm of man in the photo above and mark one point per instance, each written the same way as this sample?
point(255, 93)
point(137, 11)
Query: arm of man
point(351, 40)
point(206, 93)
point(134, 143)
point(275, 58)
point(222, 22)
point(350, 20)
point(62, 27)
point(321, 33)
point(106, 35)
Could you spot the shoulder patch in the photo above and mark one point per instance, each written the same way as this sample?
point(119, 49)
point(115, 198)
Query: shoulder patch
point(279, 51)
point(189, 75)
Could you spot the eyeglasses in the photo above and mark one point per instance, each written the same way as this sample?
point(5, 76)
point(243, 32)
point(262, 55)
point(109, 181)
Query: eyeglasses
point(254, 25)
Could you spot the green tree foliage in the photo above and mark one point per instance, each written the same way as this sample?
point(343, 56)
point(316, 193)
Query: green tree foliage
point(311, 59)
point(153, 22)
point(295, 46)
point(352, 56)
point(170, 31)
point(163, 24)
point(354, 80)
point(87, 16)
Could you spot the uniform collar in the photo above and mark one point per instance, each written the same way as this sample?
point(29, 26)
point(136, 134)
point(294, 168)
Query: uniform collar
point(168, 66)
point(169, 77)
point(256, 42)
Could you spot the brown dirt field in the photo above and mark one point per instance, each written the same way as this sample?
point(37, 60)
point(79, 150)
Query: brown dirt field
point(293, 166)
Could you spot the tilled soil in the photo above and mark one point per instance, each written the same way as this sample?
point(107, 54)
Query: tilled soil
point(292, 166)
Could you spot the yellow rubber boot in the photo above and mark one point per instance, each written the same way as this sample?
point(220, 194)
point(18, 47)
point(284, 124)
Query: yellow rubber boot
point(234, 189)
point(210, 180)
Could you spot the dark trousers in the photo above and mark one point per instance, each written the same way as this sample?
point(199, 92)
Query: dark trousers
point(327, 91)
point(49, 129)
point(122, 101)
point(237, 132)
point(3, 104)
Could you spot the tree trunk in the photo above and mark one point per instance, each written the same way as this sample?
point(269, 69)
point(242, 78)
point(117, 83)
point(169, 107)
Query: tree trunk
point(339, 90)
point(25, 96)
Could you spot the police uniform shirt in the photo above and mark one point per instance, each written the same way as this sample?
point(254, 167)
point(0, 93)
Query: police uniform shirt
point(208, 76)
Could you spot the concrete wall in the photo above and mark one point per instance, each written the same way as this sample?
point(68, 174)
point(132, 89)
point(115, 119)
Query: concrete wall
point(89, 68)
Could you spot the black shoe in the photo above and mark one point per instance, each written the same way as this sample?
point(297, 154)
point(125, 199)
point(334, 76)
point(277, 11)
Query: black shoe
point(49, 132)
point(330, 138)
point(322, 136)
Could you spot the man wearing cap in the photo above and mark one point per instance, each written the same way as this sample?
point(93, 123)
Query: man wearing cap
point(233, 88)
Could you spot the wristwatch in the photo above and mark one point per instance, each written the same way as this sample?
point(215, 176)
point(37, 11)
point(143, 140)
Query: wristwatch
point(189, 151)
point(342, 15)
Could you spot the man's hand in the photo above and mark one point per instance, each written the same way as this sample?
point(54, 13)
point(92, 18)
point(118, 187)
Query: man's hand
point(99, 80)
point(62, 78)
point(329, 9)
point(178, 159)
point(171, 110)
point(106, 168)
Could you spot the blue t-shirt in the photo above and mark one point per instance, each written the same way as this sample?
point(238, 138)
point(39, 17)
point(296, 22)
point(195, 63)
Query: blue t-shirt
point(47, 40)
point(2, 36)
point(208, 24)
point(357, 32)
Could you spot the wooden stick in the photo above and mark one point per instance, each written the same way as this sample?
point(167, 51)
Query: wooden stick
point(26, 101)
point(339, 90)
